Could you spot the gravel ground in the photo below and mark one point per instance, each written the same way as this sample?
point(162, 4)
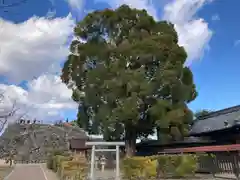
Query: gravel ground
point(4, 171)
point(110, 175)
point(27, 172)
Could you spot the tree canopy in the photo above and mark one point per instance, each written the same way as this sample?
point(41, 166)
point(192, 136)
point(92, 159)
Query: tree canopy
point(129, 76)
point(201, 113)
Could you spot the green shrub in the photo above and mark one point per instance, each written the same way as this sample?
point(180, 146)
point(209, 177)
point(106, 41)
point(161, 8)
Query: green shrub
point(162, 166)
point(75, 169)
point(51, 164)
point(177, 165)
point(68, 166)
point(55, 163)
point(58, 161)
point(139, 167)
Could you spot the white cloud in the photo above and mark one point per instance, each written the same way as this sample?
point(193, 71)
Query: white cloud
point(194, 33)
point(32, 51)
point(76, 4)
point(33, 47)
point(215, 17)
point(46, 98)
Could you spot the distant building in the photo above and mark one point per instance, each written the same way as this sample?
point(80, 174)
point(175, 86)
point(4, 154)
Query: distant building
point(221, 126)
point(216, 128)
point(78, 146)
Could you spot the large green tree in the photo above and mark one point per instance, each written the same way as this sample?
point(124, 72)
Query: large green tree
point(131, 75)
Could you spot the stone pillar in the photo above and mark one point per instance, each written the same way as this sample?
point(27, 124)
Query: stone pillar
point(117, 163)
point(92, 163)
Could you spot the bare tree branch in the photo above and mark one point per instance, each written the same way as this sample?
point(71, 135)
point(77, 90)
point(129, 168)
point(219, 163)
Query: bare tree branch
point(13, 112)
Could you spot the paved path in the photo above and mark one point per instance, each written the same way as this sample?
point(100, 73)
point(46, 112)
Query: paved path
point(28, 172)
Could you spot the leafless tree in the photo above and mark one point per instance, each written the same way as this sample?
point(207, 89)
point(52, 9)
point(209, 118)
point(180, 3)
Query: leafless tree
point(9, 113)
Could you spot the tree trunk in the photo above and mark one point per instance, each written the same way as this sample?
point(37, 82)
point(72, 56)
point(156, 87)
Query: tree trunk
point(130, 142)
point(158, 134)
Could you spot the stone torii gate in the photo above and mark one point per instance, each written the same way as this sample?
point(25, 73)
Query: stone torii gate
point(94, 144)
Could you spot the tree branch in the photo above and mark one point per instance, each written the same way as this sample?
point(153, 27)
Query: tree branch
point(4, 118)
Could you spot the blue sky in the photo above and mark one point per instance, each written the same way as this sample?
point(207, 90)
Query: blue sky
point(216, 74)
point(208, 29)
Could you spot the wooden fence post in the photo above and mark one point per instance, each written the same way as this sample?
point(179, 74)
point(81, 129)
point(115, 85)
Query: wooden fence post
point(236, 165)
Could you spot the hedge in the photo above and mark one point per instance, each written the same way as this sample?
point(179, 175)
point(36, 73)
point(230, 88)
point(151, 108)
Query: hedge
point(134, 168)
point(159, 166)
point(177, 165)
point(69, 167)
point(51, 156)
point(139, 168)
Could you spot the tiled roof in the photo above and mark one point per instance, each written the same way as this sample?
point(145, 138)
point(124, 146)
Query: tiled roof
point(232, 147)
point(218, 120)
point(78, 144)
point(187, 140)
